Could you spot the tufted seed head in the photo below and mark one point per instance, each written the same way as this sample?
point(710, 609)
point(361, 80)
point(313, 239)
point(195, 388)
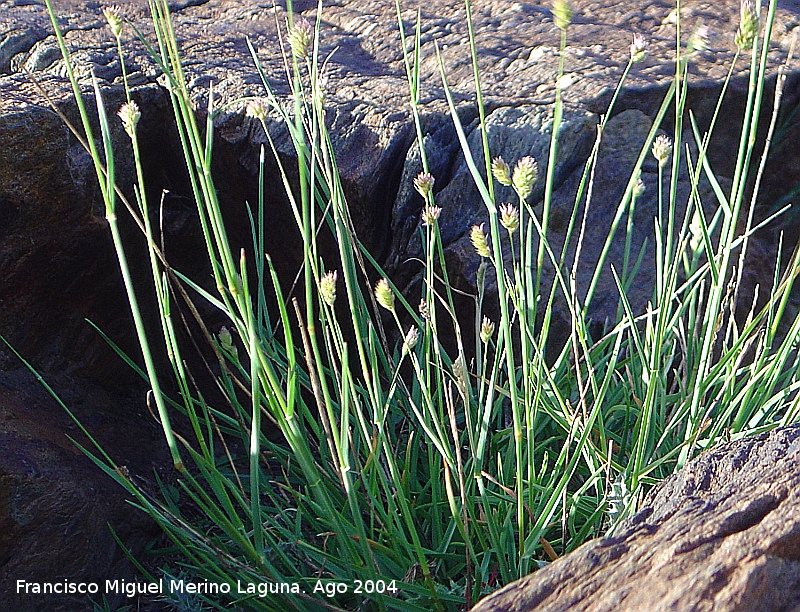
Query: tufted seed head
point(749, 25)
point(384, 294)
point(662, 147)
point(301, 38)
point(501, 171)
point(129, 114)
point(509, 217)
point(487, 330)
point(423, 183)
point(114, 16)
point(258, 108)
point(562, 14)
point(698, 41)
point(430, 214)
point(525, 173)
point(639, 48)
point(410, 341)
point(478, 238)
point(327, 287)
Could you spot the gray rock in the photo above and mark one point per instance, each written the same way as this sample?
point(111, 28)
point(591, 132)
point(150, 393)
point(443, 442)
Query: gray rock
point(369, 116)
point(55, 505)
point(721, 534)
point(14, 42)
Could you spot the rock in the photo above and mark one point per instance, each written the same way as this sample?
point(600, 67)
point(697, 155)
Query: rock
point(369, 119)
point(13, 43)
point(55, 505)
point(721, 534)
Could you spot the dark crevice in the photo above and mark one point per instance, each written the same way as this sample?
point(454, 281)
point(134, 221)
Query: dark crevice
point(749, 516)
point(179, 5)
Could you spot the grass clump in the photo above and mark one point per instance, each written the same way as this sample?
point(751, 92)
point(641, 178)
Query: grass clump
point(408, 475)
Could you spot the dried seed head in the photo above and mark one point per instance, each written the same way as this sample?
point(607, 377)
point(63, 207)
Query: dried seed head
point(423, 310)
point(114, 16)
point(225, 338)
point(662, 147)
point(424, 184)
point(639, 188)
point(698, 41)
point(130, 114)
point(301, 38)
point(525, 173)
point(509, 217)
point(501, 171)
point(258, 108)
point(749, 25)
point(327, 287)
point(430, 214)
point(562, 14)
point(478, 238)
point(410, 341)
point(487, 330)
point(639, 48)
point(384, 294)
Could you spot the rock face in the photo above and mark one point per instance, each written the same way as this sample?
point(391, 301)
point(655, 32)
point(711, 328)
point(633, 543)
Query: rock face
point(722, 534)
point(55, 505)
point(57, 266)
point(369, 119)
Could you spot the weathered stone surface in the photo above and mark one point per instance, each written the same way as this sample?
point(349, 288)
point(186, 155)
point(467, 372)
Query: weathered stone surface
point(721, 534)
point(369, 118)
point(55, 505)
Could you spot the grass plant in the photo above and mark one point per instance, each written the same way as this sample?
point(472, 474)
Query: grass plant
point(408, 475)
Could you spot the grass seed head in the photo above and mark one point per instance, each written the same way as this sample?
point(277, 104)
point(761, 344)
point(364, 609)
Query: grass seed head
point(662, 147)
point(749, 25)
point(225, 338)
point(301, 38)
point(114, 17)
point(525, 173)
point(258, 108)
point(509, 217)
point(562, 14)
point(639, 48)
point(698, 41)
point(696, 233)
point(487, 330)
point(501, 171)
point(410, 341)
point(384, 294)
point(430, 214)
point(478, 238)
point(424, 184)
point(327, 287)
point(424, 312)
point(639, 188)
point(130, 114)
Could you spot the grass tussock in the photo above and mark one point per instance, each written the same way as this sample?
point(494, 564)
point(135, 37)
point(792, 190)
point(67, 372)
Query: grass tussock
point(423, 477)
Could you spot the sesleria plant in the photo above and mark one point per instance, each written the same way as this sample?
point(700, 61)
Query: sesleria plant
point(409, 475)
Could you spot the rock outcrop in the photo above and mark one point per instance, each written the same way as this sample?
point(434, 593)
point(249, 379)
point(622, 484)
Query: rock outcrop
point(721, 534)
point(46, 180)
point(56, 506)
point(57, 267)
